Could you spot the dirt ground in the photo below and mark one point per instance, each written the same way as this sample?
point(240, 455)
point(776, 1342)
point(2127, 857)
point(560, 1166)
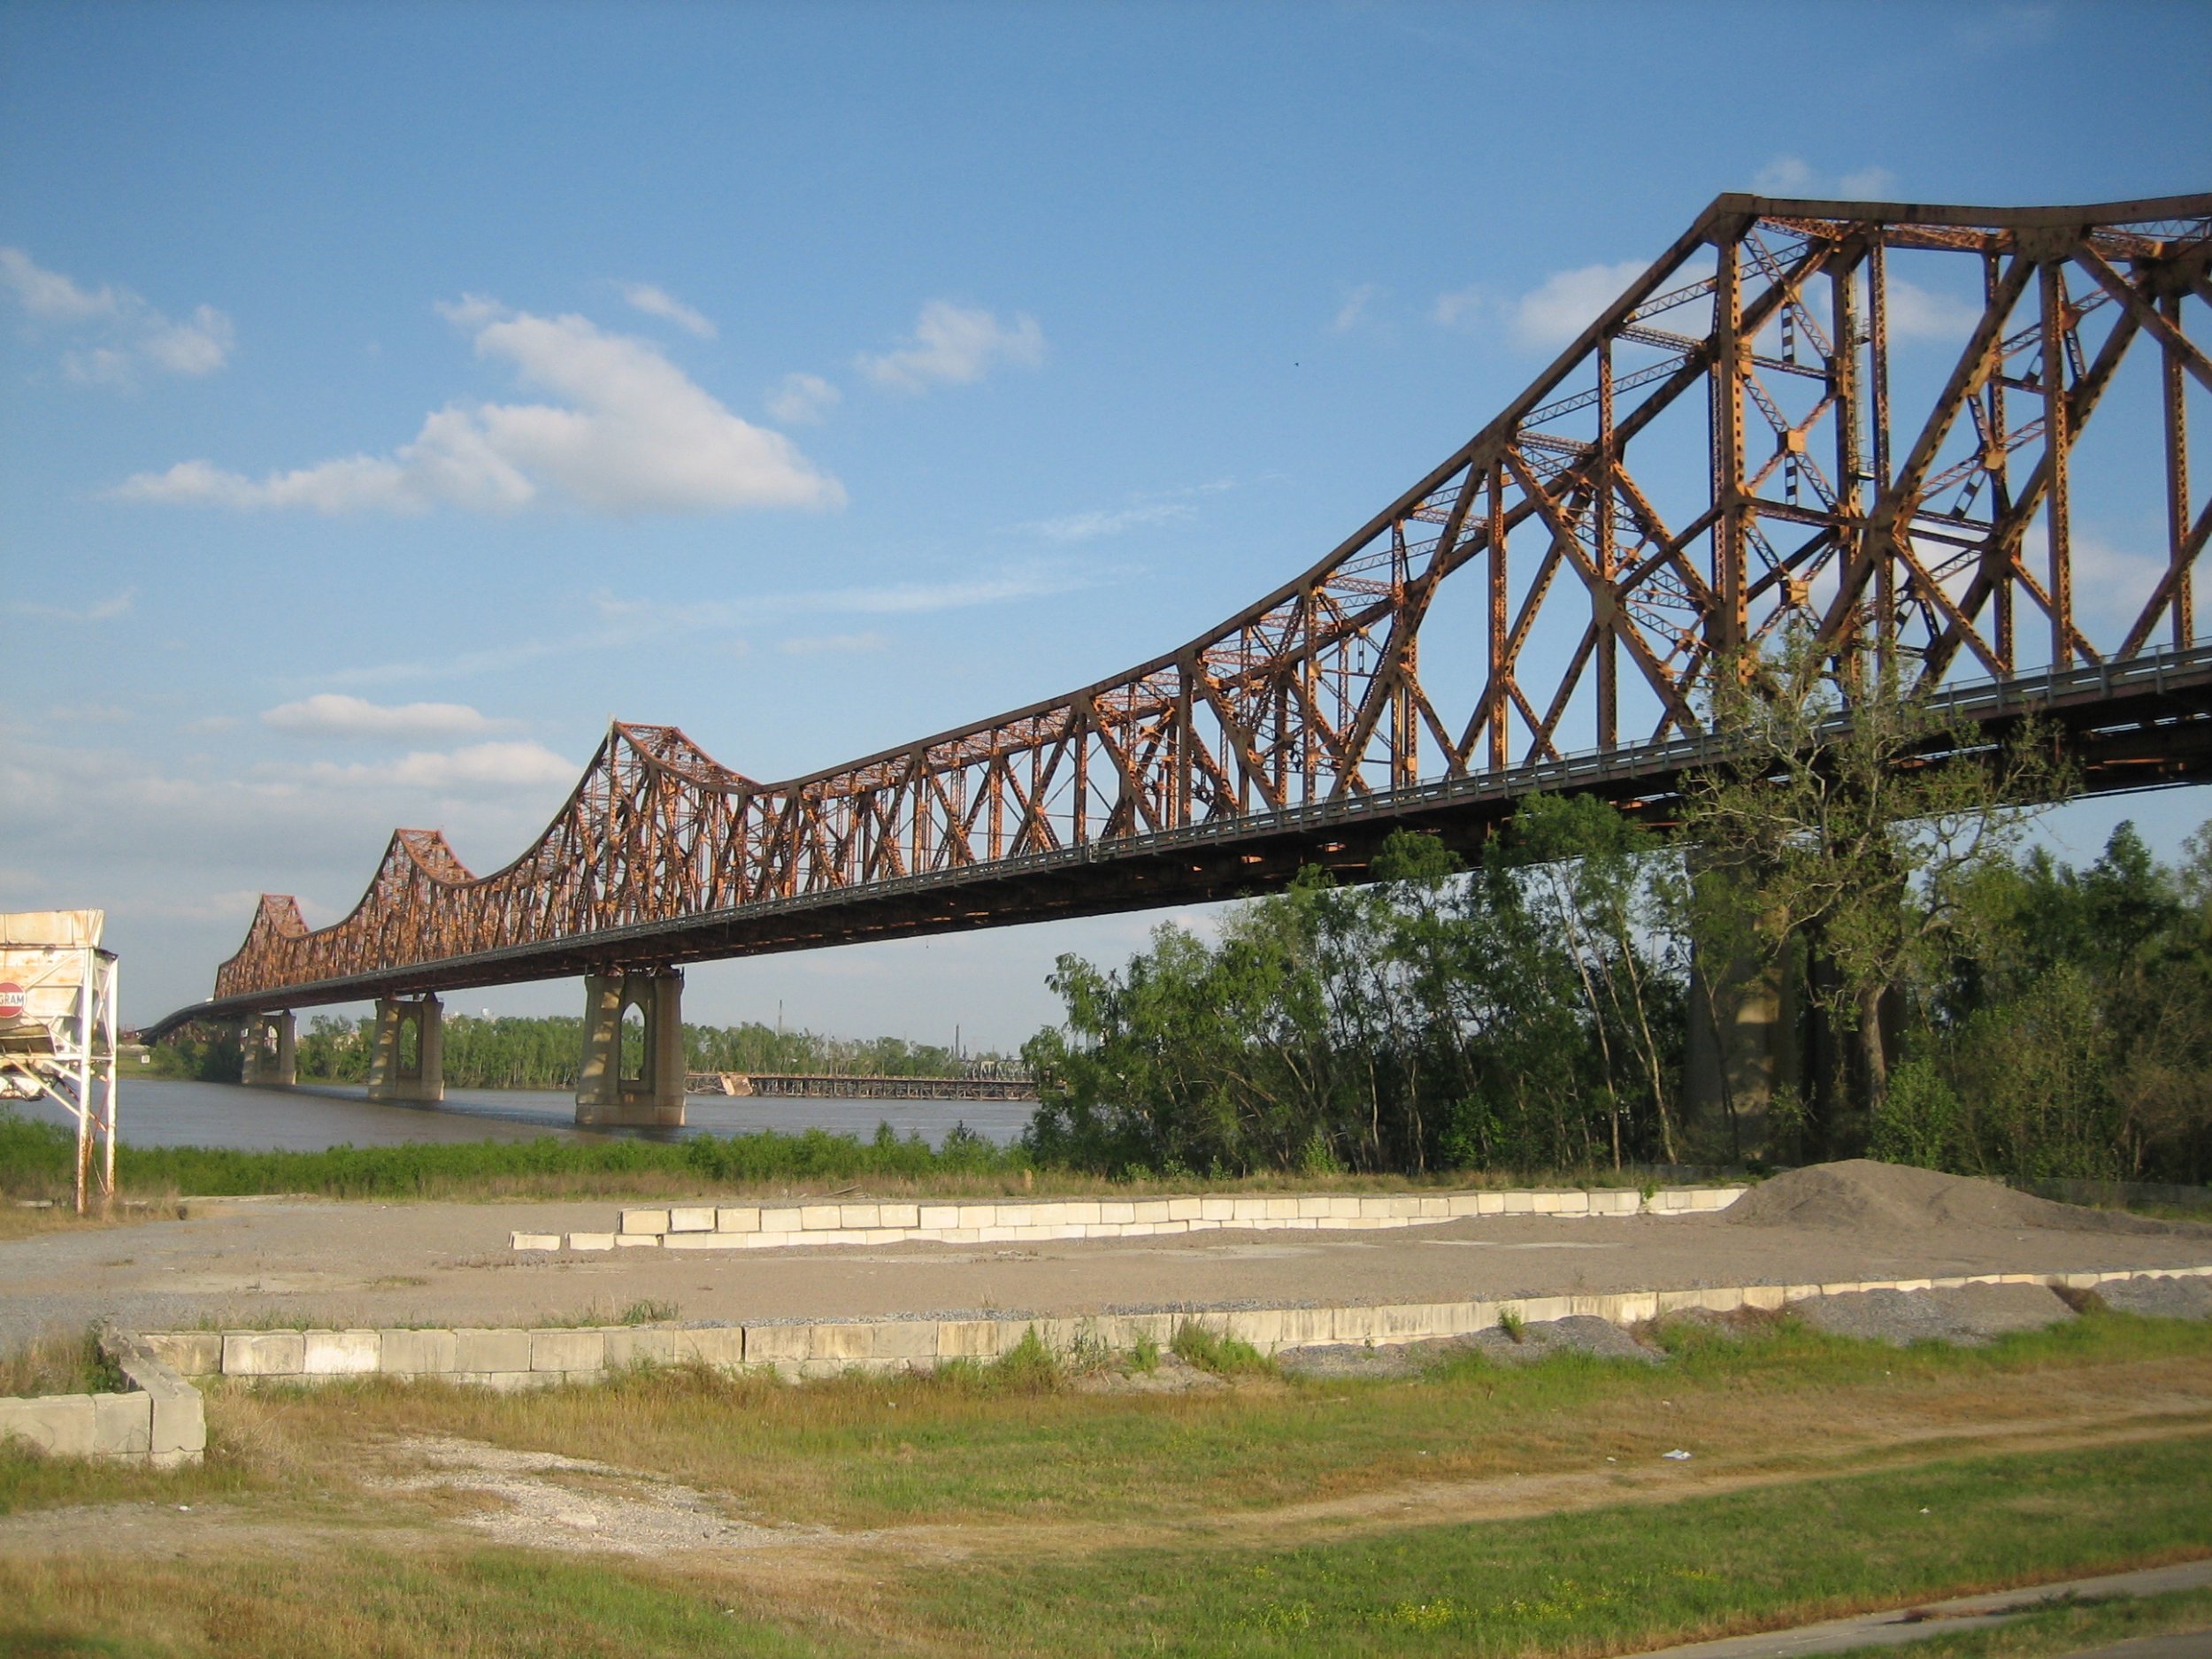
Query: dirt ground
point(366, 1264)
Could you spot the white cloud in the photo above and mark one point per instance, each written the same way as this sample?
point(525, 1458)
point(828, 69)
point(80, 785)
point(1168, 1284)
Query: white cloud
point(955, 345)
point(839, 644)
point(1462, 305)
point(1918, 313)
point(1086, 526)
point(658, 301)
point(134, 333)
point(1568, 300)
point(634, 434)
point(1868, 184)
point(100, 610)
point(802, 400)
point(331, 714)
point(1354, 307)
point(198, 347)
point(1793, 176)
point(51, 297)
point(210, 723)
point(480, 767)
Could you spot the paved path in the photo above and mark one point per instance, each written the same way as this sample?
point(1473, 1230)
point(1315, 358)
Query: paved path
point(448, 1263)
point(1942, 1618)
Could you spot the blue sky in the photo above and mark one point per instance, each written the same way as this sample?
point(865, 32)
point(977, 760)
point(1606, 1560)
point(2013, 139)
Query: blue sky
point(390, 395)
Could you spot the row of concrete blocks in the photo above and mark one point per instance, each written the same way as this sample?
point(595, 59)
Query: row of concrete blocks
point(520, 1359)
point(754, 1226)
point(160, 1420)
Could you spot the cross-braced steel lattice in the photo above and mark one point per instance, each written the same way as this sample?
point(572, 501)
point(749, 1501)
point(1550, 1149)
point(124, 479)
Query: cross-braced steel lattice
point(1770, 426)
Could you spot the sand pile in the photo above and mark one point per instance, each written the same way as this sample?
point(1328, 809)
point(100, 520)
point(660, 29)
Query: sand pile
point(1863, 1195)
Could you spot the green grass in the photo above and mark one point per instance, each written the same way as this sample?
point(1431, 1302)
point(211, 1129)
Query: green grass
point(489, 1604)
point(1011, 1440)
point(1606, 1579)
point(63, 1363)
point(1222, 1355)
point(2068, 1626)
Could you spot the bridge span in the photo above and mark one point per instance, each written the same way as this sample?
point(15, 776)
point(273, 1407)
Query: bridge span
point(1746, 439)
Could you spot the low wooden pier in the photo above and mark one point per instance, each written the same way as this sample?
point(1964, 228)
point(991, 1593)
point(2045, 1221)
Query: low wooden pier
point(805, 1086)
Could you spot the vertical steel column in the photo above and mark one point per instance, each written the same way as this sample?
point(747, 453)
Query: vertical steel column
point(1602, 602)
point(2179, 598)
point(1500, 749)
point(2057, 452)
point(1731, 628)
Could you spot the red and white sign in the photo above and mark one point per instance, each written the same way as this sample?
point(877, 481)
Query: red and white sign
point(11, 1002)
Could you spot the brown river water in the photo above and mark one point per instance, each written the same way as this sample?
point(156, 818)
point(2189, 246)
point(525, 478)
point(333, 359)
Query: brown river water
point(164, 1113)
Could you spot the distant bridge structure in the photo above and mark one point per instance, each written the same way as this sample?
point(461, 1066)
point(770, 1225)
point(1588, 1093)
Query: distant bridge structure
point(1912, 429)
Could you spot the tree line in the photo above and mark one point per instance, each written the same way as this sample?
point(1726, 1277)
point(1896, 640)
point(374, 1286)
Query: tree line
point(1941, 994)
point(547, 1053)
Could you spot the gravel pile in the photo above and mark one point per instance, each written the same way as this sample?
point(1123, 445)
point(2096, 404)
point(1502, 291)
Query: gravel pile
point(1968, 1317)
point(1866, 1196)
point(1578, 1334)
point(2159, 1298)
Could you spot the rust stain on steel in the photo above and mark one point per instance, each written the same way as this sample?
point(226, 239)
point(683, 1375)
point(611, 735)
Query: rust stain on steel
point(1309, 709)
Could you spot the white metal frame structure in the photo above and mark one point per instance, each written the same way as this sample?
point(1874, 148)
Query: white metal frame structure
point(62, 1041)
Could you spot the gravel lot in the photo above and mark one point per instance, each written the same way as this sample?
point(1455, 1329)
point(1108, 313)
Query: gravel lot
point(448, 1263)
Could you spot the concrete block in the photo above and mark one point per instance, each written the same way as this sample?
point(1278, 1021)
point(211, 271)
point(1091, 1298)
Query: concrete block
point(1799, 1293)
point(491, 1351)
point(1436, 1208)
point(1374, 1206)
point(339, 1352)
point(417, 1353)
point(643, 1221)
point(818, 1218)
point(591, 1241)
point(845, 1343)
point(720, 1346)
point(1087, 1212)
point(859, 1217)
point(774, 1344)
point(1217, 1210)
point(1151, 1209)
point(1262, 1327)
point(1011, 1217)
point(1185, 1209)
point(903, 1340)
point(1768, 1297)
point(1296, 1327)
point(691, 1218)
point(1517, 1204)
point(637, 1240)
point(1543, 1309)
point(1725, 1298)
point(568, 1350)
point(1315, 1204)
point(781, 1220)
point(941, 1216)
point(1490, 1203)
point(1281, 1208)
point(61, 1426)
point(737, 1219)
point(534, 1241)
point(1357, 1324)
point(187, 1353)
point(968, 1338)
point(1247, 1209)
point(122, 1426)
point(1675, 1301)
point(262, 1352)
point(908, 1215)
point(977, 1215)
point(706, 1240)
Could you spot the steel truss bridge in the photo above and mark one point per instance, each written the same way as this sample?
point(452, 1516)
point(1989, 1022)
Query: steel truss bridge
point(1895, 425)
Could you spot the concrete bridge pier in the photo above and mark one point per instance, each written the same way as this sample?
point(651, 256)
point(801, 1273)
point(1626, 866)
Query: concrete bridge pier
point(647, 1091)
point(267, 1049)
point(407, 1054)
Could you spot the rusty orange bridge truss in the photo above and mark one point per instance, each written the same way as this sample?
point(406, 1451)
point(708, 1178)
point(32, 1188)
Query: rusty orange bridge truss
point(1770, 423)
